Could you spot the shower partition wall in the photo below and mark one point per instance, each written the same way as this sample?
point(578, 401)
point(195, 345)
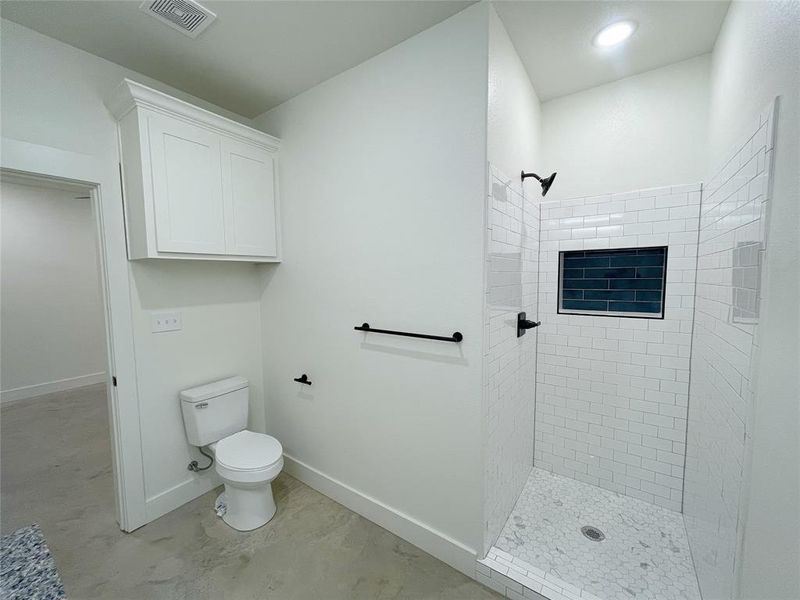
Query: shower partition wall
point(511, 286)
point(733, 225)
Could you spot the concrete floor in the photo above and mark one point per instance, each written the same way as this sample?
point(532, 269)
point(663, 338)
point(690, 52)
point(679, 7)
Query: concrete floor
point(56, 471)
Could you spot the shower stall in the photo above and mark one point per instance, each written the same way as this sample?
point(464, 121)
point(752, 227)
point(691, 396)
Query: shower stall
point(614, 446)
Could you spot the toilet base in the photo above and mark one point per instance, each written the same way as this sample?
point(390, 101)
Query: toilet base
point(249, 505)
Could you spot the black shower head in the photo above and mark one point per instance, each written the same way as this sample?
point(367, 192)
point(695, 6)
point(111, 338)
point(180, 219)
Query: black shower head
point(546, 183)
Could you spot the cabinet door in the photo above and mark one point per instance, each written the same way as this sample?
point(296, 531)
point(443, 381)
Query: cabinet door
point(248, 184)
point(187, 187)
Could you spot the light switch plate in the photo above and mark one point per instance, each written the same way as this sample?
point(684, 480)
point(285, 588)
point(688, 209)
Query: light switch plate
point(165, 321)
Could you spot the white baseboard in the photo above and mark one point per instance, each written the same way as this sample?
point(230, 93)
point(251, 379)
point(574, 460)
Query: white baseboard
point(434, 542)
point(60, 385)
point(178, 495)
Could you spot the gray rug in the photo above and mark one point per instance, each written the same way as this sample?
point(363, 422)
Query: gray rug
point(27, 569)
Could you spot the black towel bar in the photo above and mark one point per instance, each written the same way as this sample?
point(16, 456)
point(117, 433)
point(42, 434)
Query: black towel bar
point(456, 337)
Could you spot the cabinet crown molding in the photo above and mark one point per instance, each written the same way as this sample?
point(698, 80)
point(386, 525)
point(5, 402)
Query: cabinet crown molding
point(130, 94)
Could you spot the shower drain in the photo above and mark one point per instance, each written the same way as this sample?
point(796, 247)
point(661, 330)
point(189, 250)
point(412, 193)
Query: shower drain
point(593, 533)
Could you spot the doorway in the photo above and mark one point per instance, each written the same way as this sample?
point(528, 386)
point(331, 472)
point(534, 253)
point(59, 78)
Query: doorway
point(54, 375)
point(49, 166)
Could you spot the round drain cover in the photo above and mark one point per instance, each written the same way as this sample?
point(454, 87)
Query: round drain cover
point(593, 533)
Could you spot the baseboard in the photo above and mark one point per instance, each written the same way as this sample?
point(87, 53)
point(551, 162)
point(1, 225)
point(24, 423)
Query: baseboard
point(434, 542)
point(178, 495)
point(60, 385)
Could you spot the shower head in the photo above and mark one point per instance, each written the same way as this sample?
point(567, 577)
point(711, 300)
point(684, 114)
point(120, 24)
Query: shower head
point(546, 182)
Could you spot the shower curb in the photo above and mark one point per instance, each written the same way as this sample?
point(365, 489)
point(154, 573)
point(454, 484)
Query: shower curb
point(517, 579)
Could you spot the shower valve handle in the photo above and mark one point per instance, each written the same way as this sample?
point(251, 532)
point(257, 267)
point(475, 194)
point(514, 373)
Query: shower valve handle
point(524, 324)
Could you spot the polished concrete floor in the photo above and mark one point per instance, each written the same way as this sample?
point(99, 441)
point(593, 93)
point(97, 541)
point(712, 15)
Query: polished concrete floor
point(56, 471)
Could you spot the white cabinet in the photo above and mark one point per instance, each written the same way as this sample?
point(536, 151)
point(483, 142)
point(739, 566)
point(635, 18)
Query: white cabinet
point(251, 228)
point(196, 185)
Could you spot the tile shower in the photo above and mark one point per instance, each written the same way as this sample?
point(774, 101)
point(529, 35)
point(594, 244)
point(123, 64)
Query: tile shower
point(639, 424)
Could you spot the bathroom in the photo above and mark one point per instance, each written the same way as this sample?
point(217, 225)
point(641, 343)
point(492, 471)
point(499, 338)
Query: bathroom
point(401, 205)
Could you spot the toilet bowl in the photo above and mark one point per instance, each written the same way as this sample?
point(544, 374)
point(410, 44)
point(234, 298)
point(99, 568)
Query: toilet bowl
point(215, 415)
point(248, 462)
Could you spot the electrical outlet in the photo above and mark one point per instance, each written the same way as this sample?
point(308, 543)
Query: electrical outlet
point(161, 322)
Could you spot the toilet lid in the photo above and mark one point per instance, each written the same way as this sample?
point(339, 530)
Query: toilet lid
point(248, 451)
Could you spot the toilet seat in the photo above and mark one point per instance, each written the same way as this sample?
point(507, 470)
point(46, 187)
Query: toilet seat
point(247, 456)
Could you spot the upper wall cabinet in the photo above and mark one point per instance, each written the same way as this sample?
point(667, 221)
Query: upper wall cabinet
point(197, 185)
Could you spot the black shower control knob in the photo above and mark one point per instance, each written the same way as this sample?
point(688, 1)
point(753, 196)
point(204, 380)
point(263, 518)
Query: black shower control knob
point(523, 324)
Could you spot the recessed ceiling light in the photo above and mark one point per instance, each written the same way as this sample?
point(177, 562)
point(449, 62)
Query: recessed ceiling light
point(614, 34)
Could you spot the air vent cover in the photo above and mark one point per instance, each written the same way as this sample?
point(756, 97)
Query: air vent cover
point(186, 16)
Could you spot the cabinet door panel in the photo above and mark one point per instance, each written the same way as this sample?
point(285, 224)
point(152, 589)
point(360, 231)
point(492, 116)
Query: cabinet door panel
point(187, 187)
point(248, 183)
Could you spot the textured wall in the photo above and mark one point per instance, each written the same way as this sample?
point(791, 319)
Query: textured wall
point(389, 230)
point(512, 254)
point(612, 391)
point(732, 242)
point(52, 94)
point(52, 311)
point(642, 131)
point(756, 58)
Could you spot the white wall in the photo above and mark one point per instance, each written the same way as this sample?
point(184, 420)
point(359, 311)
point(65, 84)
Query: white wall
point(53, 333)
point(512, 253)
point(644, 131)
point(514, 135)
point(757, 57)
point(52, 94)
point(612, 391)
point(382, 182)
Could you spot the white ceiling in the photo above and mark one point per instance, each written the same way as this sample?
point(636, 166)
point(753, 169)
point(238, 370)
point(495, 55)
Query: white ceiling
point(258, 54)
point(554, 39)
point(253, 57)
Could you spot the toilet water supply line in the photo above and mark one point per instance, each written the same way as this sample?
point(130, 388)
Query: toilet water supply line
point(193, 466)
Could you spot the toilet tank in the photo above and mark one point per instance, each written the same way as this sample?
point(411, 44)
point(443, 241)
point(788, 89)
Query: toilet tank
point(215, 410)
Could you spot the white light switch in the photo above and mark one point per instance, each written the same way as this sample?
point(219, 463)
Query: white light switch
point(161, 322)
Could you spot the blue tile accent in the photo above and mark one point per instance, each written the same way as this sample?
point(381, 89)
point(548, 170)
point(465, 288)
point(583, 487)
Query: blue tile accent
point(585, 305)
point(648, 296)
point(609, 294)
point(573, 294)
point(657, 272)
point(627, 273)
point(629, 280)
point(580, 263)
point(649, 260)
point(570, 273)
point(647, 307)
point(587, 284)
point(634, 284)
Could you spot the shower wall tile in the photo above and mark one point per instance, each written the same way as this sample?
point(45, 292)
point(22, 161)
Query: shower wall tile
point(511, 286)
point(732, 244)
point(611, 395)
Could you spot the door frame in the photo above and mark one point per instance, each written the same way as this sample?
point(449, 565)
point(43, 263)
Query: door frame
point(39, 162)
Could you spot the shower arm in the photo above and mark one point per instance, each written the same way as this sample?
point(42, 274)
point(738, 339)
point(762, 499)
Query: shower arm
point(524, 176)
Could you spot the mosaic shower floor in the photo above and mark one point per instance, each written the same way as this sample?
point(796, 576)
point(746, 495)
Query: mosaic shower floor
point(644, 556)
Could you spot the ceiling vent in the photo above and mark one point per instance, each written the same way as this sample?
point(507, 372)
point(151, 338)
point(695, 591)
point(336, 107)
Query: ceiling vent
point(186, 16)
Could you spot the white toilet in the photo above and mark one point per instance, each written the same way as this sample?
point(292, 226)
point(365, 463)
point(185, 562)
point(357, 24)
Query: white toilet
point(215, 415)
